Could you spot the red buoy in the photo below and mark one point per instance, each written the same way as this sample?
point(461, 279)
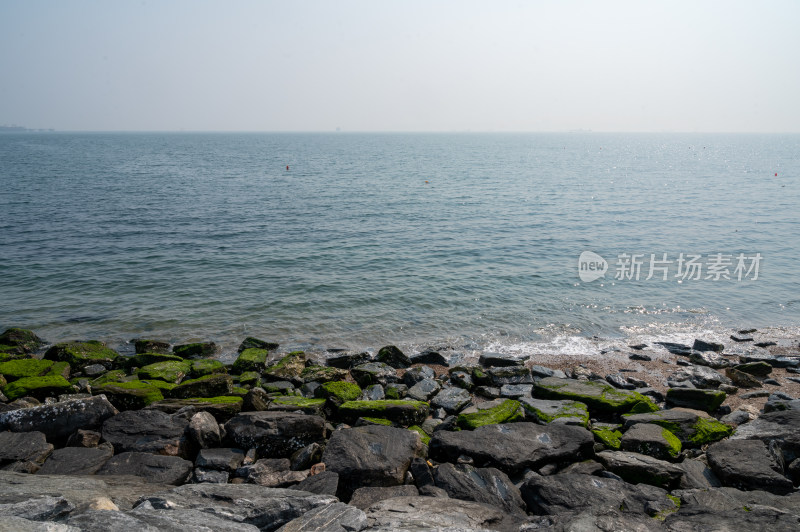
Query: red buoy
point(287, 166)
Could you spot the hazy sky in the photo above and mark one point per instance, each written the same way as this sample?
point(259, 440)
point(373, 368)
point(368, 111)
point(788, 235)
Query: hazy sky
point(401, 66)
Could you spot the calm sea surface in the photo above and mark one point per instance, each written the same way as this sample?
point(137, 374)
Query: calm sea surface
point(467, 240)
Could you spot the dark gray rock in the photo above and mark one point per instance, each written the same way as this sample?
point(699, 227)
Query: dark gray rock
point(486, 485)
point(271, 472)
point(452, 399)
point(307, 456)
point(59, 420)
point(434, 513)
point(373, 373)
point(708, 345)
point(748, 465)
point(77, 460)
point(756, 518)
point(430, 357)
point(782, 426)
point(675, 349)
point(712, 360)
point(19, 524)
point(417, 374)
point(640, 468)
point(499, 360)
point(421, 472)
point(256, 400)
point(649, 439)
point(706, 400)
point(147, 431)
point(700, 377)
point(325, 483)
point(543, 372)
point(617, 380)
point(203, 429)
point(573, 492)
point(23, 447)
point(513, 447)
point(373, 455)
point(640, 356)
point(212, 476)
point(509, 375)
point(758, 369)
point(515, 391)
point(151, 467)
point(363, 498)
point(697, 475)
point(373, 392)
point(392, 356)
point(462, 378)
point(221, 459)
point(347, 360)
point(266, 508)
point(148, 519)
point(43, 508)
point(84, 438)
point(424, 390)
point(337, 517)
point(274, 434)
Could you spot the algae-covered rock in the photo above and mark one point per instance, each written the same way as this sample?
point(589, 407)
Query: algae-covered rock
point(597, 396)
point(208, 386)
point(287, 368)
point(200, 349)
point(255, 343)
point(401, 412)
point(373, 373)
point(296, 403)
point(171, 371)
point(115, 375)
point(549, 410)
point(608, 436)
point(491, 413)
point(16, 340)
point(692, 427)
point(322, 374)
point(82, 354)
point(339, 392)
point(145, 359)
point(222, 408)
point(206, 366)
point(251, 360)
point(25, 367)
point(38, 387)
point(392, 356)
point(250, 379)
point(132, 395)
point(426, 438)
point(60, 369)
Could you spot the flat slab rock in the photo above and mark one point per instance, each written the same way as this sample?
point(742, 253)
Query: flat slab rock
point(58, 421)
point(147, 431)
point(266, 508)
point(337, 517)
point(512, 447)
point(274, 434)
point(151, 467)
point(639, 468)
point(435, 513)
point(748, 464)
point(148, 519)
point(76, 460)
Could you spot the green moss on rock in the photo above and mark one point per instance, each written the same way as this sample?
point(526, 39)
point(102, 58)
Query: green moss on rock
point(709, 430)
point(131, 395)
point(611, 438)
point(26, 367)
point(206, 366)
point(250, 379)
point(598, 396)
point(343, 391)
point(322, 374)
point(426, 439)
point(38, 387)
point(170, 371)
point(298, 403)
point(250, 360)
point(145, 359)
point(374, 421)
point(199, 349)
point(208, 386)
point(16, 340)
point(115, 375)
point(404, 413)
point(82, 354)
point(505, 411)
point(673, 443)
point(547, 411)
point(288, 367)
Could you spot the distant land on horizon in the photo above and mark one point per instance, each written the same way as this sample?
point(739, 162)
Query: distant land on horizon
point(13, 128)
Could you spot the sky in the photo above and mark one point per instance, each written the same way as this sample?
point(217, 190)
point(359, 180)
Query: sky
point(302, 65)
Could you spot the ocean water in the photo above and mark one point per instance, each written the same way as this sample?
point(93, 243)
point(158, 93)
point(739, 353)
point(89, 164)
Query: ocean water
point(463, 240)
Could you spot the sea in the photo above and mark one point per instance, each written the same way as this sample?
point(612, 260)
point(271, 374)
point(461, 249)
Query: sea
point(559, 243)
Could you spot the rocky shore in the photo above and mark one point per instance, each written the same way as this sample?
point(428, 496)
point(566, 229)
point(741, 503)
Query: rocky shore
point(658, 437)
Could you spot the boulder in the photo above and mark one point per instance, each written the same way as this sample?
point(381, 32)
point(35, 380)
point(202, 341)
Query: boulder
point(169, 371)
point(512, 447)
point(336, 517)
point(220, 459)
point(398, 411)
point(347, 360)
point(208, 386)
point(373, 373)
point(287, 368)
point(147, 431)
point(23, 447)
point(706, 400)
point(697, 475)
point(363, 498)
point(38, 387)
point(748, 465)
point(59, 420)
point(373, 455)
point(322, 374)
point(266, 508)
point(434, 513)
point(274, 434)
point(423, 390)
point(145, 518)
point(489, 413)
point(708, 345)
point(25, 367)
point(325, 483)
point(82, 354)
point(508, 375)
point(20, 341)
point(251, 359)
point(597, 396)
point(652, 440)
point(452, 399)
point(77, 460)
point(222, 408)
point(693, 428)
point(203, 429)
point(392, 356)
point(430, 357)
point(639, 468)
point(499, 360)
point(700, 377)
point(151, 346)
point(758, 369)
point(486, 485)
point(271, 472)
point(548, 410)
point(255, 343)
point(206, 366)
point(132, 395)
point(574, 492)
point(151, 467)
point(199, 349)
point(338, 392)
